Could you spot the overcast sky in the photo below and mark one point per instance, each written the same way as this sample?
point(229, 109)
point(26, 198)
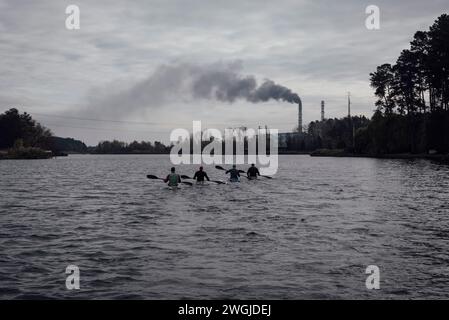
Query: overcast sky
point(109, 68)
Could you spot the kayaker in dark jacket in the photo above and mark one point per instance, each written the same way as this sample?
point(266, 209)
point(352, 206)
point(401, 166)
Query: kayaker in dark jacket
point(200, 175)
point(235, 175)
point(253, 172)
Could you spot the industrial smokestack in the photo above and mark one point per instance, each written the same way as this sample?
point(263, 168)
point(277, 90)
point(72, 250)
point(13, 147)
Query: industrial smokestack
point(322, 110)
point(349, 104)
point(299, 115)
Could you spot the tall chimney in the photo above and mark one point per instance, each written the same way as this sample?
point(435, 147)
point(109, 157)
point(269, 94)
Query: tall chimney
point(300, 116)
point(349, 104)
point(322, 110)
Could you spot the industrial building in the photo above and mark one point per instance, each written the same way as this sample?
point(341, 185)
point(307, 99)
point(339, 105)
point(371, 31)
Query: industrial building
point(292, 142)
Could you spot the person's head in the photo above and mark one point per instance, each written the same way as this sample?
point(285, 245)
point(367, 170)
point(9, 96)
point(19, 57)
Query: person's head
point(252, 164)
point(201, 168)
point(234, 166)
point(173, 169)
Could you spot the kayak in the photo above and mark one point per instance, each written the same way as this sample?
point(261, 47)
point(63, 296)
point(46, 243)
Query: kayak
point(234, 180)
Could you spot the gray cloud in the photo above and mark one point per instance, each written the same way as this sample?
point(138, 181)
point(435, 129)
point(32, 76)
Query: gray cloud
point(219, 81)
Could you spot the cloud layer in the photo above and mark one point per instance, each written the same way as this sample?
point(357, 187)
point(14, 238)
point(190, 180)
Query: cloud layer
point(319, 48)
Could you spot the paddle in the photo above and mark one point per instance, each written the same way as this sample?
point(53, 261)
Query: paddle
point(150, 176)
point(268, 177)
point(241, 171)
point(221, 168)
point(216, 181)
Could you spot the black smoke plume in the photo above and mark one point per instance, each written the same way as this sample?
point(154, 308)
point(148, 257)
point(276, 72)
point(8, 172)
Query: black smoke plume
point(218, 81)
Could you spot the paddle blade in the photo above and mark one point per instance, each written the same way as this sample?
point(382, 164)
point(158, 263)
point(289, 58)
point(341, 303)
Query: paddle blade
point(187, 183)
point(219, 182)
point(185, 177)
point(219, 168)
point(150, 176)
point(268, 177)
point(241, 171)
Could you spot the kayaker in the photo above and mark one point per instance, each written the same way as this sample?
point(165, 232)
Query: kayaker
point(173, 178)
point(235, 175)
point(200, 175)
point(253, 172)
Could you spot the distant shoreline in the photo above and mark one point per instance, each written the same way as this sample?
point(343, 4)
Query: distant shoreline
point(329, 153)
point(444, 158)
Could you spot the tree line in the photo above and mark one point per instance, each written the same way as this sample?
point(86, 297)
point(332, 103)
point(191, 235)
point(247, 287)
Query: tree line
point(335, 133)
point(24, 137)
point(419, 80)
point(412, 106)
point(22, 129)
point(120, 147)
point(412, 97)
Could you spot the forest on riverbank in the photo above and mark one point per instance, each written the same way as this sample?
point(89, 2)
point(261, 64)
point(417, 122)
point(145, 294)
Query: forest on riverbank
point(21, 137)
point(412, 113)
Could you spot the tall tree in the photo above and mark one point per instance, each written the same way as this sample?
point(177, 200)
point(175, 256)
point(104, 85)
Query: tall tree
point(419, 47)
point(382, 81)
point(405, 85)
point(439, 60)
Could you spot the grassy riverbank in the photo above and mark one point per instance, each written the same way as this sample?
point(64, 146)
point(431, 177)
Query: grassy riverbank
point(25, 153)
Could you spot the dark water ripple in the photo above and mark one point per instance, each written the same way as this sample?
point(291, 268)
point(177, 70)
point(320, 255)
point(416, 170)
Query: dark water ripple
point(309, 233)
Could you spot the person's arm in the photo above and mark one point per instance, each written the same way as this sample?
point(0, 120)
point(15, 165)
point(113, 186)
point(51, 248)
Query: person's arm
point(179, 178)
point(247, 173)
point(166, 178)
point(238, 173)
point(195, 175)
point(258, 173)
point(205, 174)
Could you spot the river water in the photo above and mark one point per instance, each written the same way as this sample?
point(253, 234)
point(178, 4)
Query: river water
point(310, 233)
